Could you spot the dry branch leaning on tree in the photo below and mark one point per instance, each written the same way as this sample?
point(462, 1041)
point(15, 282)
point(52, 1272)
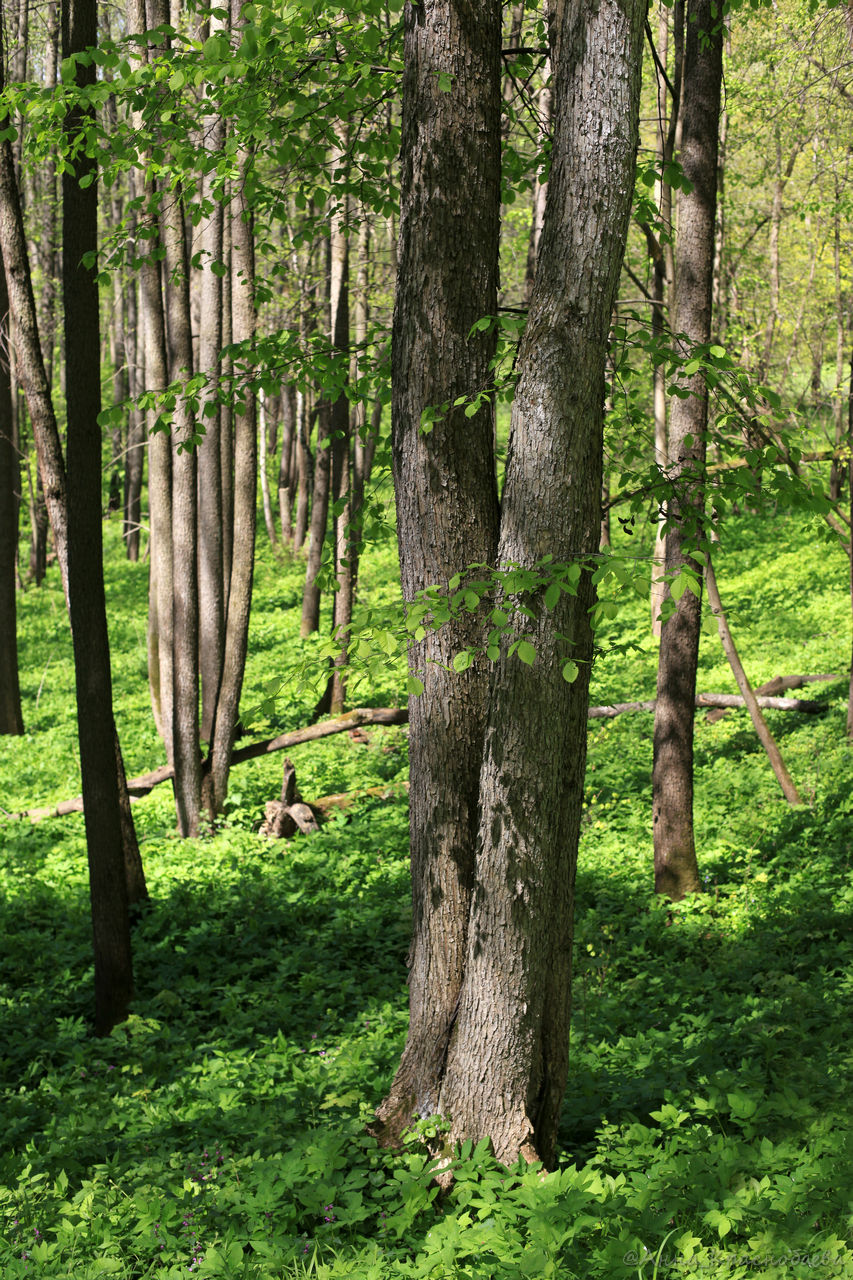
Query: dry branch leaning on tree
point(146, 782)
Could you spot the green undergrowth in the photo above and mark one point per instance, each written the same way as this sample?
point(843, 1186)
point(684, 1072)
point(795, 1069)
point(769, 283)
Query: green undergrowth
point(222, 1130)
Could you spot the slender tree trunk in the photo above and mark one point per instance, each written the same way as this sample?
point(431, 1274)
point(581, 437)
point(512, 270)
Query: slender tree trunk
point(11, 717)
point(99, 753)
point(765, 737)
point(838, 399)
point(676, 869)
point(286, 469)
point(850, 495)
point(540, 190)
point(226, 416)
point(447, 280)
point(245, 490)
point(185, 617)
point(263, 466)
point(341, 443)
point(135, 430)
point(319, 520)
point(303, 467)
point(153, 319)
point(211, 581)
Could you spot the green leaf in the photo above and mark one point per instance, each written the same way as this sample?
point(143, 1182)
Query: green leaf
point(570, 671)
point(526, 652)
point(552, 595)
point(462, 661)
point(414, 686)
point(445, 81)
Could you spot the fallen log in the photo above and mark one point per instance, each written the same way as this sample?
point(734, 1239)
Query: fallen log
point(727, 700)
point(777, 685)
point(145, 783)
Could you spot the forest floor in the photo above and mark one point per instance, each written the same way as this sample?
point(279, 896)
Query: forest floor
point(221, 1131)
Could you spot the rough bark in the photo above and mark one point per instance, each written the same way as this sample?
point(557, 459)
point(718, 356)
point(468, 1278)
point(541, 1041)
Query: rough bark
point(507, 1059)
point(444, 480)
point(676, 869)
point(99, 754)
point(11, 717)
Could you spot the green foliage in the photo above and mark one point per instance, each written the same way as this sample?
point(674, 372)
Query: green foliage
point(221, 1132)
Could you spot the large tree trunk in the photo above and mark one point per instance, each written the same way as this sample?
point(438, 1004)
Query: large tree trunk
point(507, 1059)
point(444, 480)
point(11, 718)
point(676, 869)
point(87, 605)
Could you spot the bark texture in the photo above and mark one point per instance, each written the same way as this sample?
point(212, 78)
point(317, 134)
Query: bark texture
point(447, 505)
point(497, 772)
point(87, 605)
point(245, 495)
point(11, 718)
point(676, 869)
point(508, 1053)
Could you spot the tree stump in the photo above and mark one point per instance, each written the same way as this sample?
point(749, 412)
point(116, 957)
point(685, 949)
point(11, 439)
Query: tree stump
point(284, 817)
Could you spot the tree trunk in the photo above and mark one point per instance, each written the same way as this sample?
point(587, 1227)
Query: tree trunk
point(153, 320)
point(11, 717)
point(676, 869)
point(133, 474)
point(226, 416)
point(245, 491)
point(341, 442)
point(303, 471)
point(662, 277)
point(444, 481)
point(286, 470)
point(99, 753)
point(185, 618)
point(759, 723)
point(507, 1059)
point(211, 583)
point(319, 519)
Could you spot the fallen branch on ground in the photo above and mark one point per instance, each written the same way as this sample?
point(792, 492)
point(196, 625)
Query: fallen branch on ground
point(146, 782)
point(710, 700)
point(777, 685)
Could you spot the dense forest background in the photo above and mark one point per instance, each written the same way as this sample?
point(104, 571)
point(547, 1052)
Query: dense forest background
point(230, 412)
